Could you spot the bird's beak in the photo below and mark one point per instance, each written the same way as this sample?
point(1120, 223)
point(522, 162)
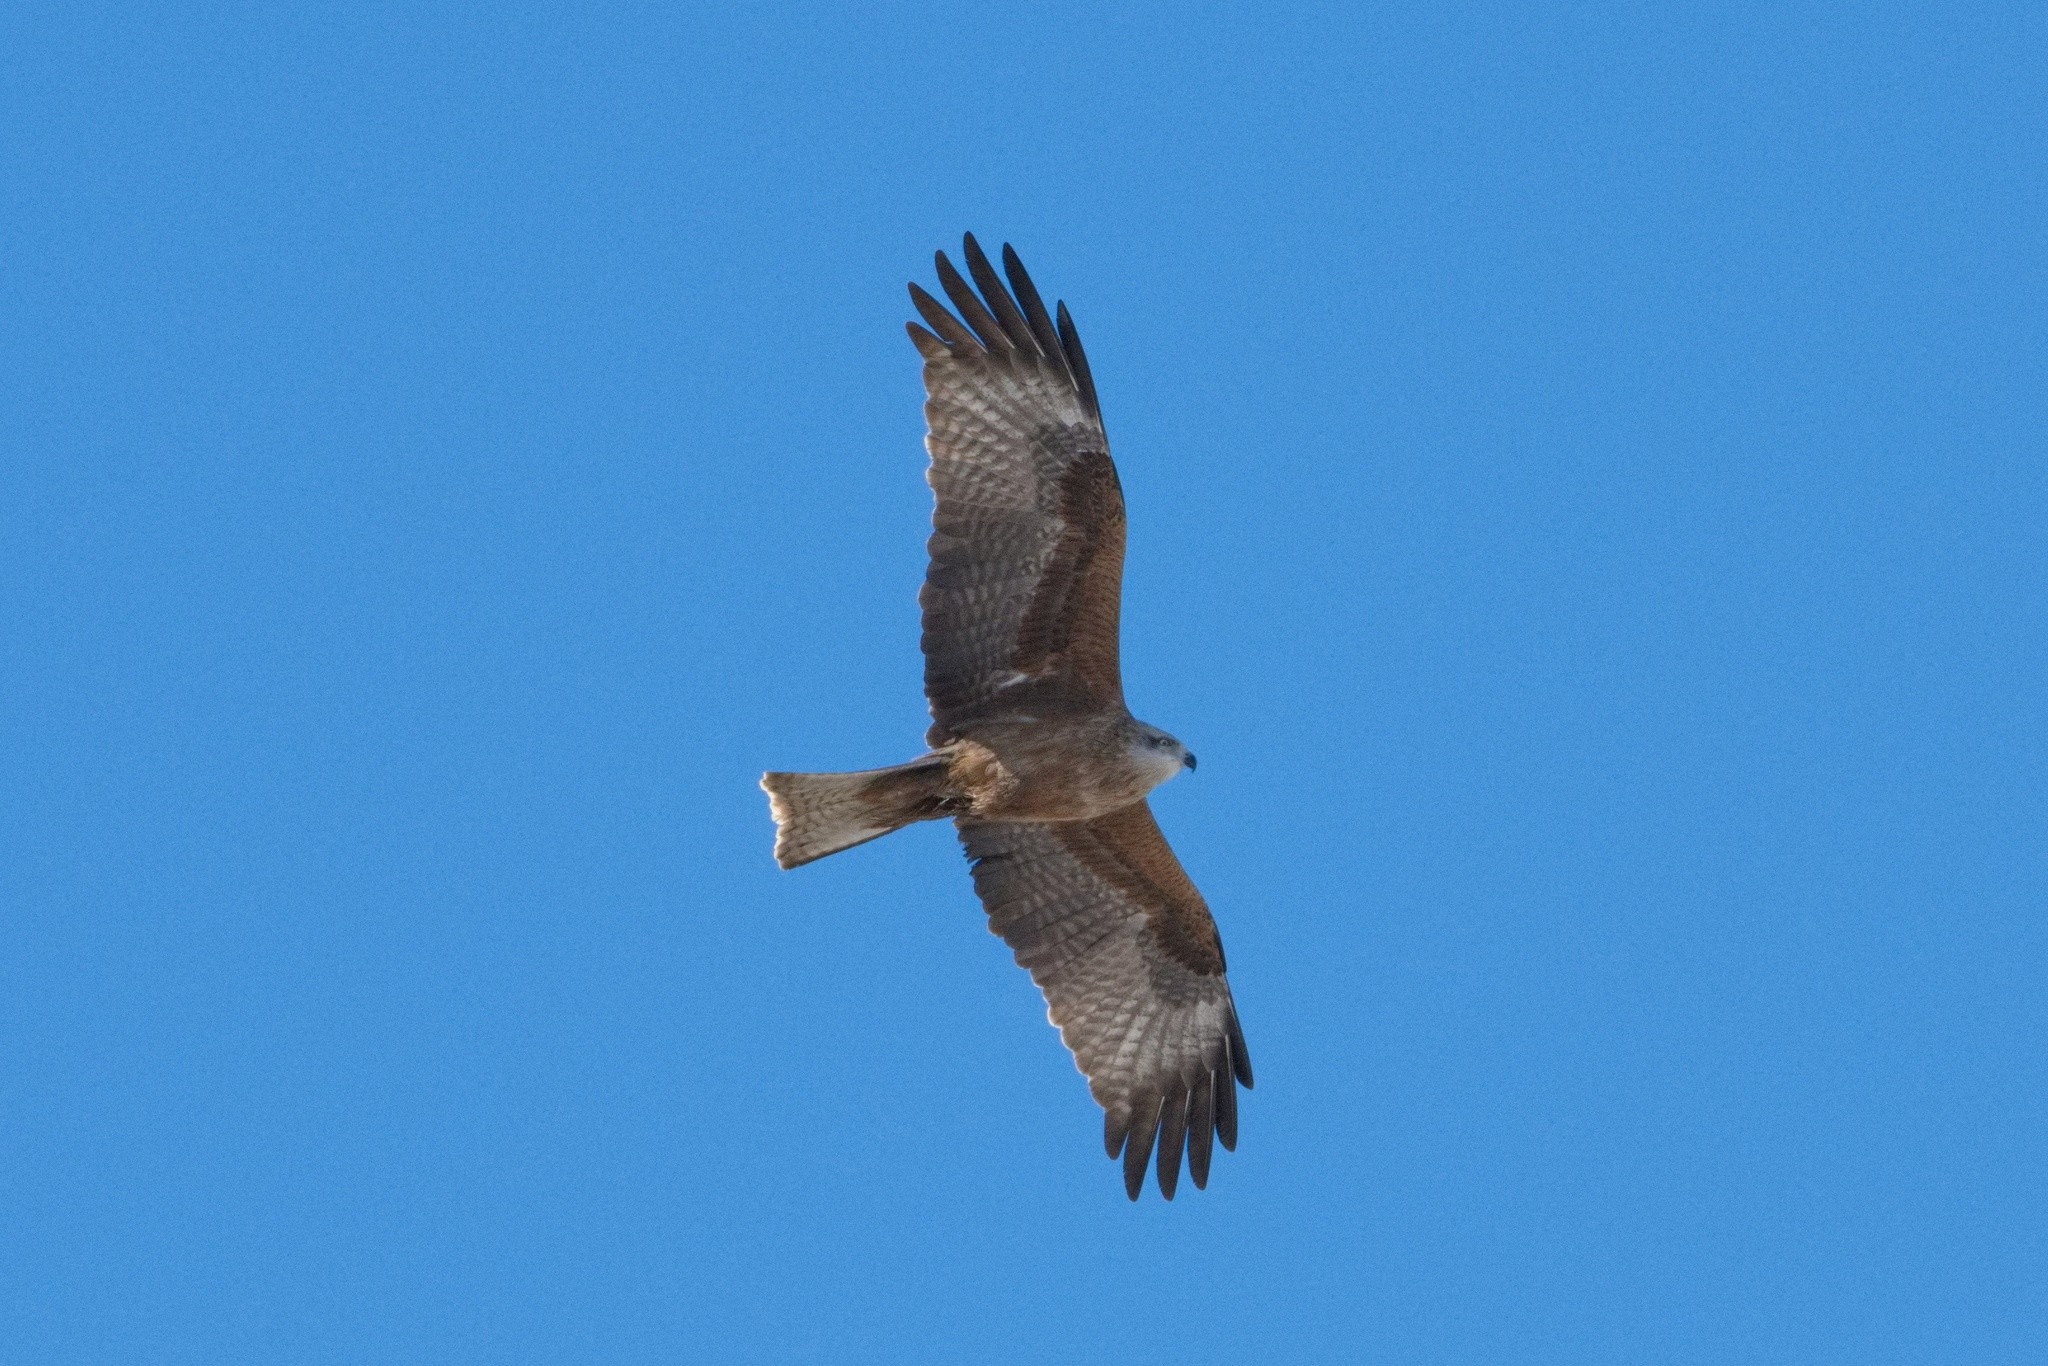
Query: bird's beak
point(1189, 763)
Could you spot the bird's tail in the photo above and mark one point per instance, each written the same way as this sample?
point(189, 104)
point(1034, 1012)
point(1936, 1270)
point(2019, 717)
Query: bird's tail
point(821, 813)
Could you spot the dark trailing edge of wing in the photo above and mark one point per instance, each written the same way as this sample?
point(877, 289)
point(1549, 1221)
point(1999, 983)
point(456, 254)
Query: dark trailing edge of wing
point(1001, 321)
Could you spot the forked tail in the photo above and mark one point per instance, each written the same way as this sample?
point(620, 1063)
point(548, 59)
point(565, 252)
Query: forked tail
point(821, 813)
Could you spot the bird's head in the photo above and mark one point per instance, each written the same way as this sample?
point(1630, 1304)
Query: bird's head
point(1154, 749)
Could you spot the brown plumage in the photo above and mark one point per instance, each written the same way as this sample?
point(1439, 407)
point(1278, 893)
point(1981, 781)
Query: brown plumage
point(1034, 755)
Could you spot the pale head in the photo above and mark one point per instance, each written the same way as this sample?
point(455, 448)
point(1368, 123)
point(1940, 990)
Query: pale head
point(1156, 753)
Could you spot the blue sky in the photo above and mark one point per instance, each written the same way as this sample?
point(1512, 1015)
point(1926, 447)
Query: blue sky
point(1587, 513)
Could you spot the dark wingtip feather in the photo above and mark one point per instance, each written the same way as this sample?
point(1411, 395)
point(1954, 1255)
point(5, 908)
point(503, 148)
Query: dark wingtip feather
point(971, 309)
point(1035, 316)
point(1226, 1111)
point(1116, 1129)
point(997, 296)
point(1173, 1136)
point(1077, 363)
point(1240, 1058)
point(1008, 321)
point(928, 346)
point(1201, 1129)
point(945, 324)
point(1138, 1153)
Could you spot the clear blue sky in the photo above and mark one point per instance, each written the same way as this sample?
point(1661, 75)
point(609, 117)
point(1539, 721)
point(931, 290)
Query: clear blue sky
point(1587, 500)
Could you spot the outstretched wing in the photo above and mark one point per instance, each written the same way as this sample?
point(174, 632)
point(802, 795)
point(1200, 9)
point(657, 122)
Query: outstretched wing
point(1123, 947)
point(1027, 546)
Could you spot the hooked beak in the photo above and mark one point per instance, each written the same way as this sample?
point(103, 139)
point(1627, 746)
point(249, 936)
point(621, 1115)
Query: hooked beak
point(1188, 763)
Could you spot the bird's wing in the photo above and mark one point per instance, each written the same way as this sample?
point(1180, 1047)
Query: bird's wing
point(1027, 546)
point(1123, 947)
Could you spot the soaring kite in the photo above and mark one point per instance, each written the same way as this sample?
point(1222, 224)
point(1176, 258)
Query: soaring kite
point(1033, 754)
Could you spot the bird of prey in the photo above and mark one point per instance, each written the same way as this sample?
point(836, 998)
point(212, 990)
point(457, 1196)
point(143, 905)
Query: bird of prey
point(1032, 752)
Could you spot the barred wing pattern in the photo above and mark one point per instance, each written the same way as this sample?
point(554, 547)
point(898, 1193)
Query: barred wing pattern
point(1027, 542)
point(1116, 936)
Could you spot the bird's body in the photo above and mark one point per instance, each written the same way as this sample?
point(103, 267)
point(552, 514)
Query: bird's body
point(1032, 751)
point(1026, 767)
